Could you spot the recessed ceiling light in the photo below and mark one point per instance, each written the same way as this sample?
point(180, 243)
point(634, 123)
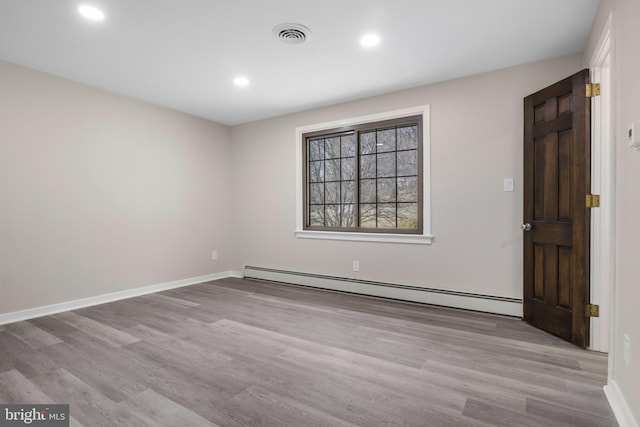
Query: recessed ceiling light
point(370, 40)
point(90, 12)
point(241, 81)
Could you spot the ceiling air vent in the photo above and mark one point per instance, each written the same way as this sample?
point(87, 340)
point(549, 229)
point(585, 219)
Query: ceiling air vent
point(291, 33)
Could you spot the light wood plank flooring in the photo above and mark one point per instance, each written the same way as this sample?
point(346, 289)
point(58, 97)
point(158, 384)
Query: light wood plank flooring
point(243, 353)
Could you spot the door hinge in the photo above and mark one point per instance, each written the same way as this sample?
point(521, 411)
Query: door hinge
point(592, 201)
point(592, 310)
point(593, 89)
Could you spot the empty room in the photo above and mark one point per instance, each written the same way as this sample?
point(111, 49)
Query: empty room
point(305, 213)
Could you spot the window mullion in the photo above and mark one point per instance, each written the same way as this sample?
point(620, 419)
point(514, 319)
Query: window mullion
point(324, 180)
point(376, 177)
point(340, 199)
point(396, 177)
point(357, 178)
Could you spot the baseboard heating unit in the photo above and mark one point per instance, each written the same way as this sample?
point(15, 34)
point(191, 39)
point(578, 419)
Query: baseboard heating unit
point(442, 297)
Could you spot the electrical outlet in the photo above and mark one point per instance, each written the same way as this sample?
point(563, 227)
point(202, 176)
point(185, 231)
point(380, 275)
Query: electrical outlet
point(214, 255)
point(626, 349)
point(356, 265)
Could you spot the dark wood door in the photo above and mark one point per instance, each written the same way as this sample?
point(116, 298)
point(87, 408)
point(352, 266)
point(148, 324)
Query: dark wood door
point(557, 178)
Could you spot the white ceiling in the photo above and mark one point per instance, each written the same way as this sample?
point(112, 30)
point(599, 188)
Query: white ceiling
point(184, 54)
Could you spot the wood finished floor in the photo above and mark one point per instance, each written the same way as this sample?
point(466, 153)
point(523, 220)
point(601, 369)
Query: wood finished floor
point(237, 352)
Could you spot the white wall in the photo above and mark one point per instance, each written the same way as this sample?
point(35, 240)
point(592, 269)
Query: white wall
point(476, 142)
point(626, 108)
point(100, 193)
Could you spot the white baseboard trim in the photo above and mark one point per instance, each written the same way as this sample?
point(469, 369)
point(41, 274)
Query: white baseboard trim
point(619, 405)
point(47, 310)
point(441, 297)
point(234, 273)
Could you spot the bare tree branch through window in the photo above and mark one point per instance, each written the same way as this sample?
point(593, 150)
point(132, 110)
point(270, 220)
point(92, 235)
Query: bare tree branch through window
point(365, 178)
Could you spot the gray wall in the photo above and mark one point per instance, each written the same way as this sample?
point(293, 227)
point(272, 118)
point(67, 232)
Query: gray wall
point(100, 193)
point(476, 142)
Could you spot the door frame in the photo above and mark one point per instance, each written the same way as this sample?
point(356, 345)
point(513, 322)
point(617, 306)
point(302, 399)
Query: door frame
point(603, 177)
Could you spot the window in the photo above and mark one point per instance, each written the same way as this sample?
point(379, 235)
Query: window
point(364, 178)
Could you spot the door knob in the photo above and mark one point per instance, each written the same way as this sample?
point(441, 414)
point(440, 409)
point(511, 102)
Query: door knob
point(526, 227)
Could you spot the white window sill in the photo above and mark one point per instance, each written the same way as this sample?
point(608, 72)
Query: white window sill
point(414, 239)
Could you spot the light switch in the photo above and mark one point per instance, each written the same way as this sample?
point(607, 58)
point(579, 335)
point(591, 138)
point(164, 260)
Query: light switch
point(508, 184)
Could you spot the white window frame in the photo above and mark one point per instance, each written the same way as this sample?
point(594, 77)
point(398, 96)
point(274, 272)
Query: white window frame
point(426, 238)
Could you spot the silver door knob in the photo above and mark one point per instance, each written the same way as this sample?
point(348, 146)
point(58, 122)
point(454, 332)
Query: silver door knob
point(526, 227)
